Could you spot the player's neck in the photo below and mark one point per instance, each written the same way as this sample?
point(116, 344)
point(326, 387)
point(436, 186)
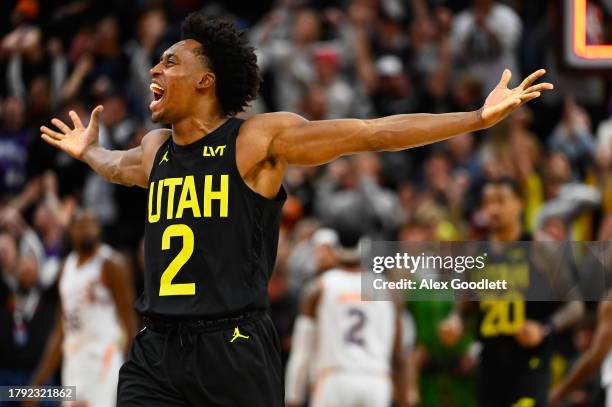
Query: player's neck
point(511, 233)
point(84, 255)
point(193, 128)
point(352, 268)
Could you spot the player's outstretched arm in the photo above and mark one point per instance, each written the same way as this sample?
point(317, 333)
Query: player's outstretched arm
point(120, 167)
point(301, 142)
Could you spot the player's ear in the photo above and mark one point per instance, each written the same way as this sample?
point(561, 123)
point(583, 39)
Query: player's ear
point(207, 79)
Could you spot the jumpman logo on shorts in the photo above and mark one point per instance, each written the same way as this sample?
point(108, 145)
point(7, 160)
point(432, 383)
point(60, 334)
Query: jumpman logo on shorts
point(237, 335)
point(164, 158)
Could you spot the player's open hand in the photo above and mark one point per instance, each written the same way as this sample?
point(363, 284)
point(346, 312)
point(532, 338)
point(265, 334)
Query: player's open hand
point(502, 101)
point(74, 141)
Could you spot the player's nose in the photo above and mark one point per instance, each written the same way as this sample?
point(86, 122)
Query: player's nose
point(156, 70)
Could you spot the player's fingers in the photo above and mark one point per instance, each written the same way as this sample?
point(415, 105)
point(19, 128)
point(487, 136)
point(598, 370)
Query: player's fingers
point(539, 87)
point(76, 120)
point(505, 79)
point(95, 116)
point(52, 133)
point(50, 140)
point(529, 96)
point(532, 78)
point(61, 125)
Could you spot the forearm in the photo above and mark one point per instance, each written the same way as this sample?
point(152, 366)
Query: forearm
point(584, 368)
point(108, 164)
point(403, 131)
point(567, 315)
point(298, 366)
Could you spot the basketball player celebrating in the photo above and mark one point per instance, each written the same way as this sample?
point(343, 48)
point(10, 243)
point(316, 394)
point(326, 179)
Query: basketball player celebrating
point(215, 199)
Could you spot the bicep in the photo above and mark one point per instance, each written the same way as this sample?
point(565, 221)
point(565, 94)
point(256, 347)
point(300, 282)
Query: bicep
point(303, 142)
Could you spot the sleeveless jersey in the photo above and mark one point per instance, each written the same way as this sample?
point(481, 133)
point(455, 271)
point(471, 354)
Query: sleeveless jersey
point(500, 320)
point(210, 240)
point(352, 335)
point(606, 370)
point(88, 308)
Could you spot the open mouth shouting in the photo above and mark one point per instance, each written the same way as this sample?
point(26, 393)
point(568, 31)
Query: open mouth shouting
point(158, 95)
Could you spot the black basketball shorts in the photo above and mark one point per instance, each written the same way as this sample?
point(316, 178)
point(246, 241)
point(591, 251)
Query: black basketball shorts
point(230, 364)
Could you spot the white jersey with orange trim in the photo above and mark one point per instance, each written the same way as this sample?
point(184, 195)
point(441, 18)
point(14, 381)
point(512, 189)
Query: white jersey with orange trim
point(354, 340)
point(91, 351)
point(606, 378)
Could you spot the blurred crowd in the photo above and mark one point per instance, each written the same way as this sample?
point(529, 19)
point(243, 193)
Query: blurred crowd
point(323, 60)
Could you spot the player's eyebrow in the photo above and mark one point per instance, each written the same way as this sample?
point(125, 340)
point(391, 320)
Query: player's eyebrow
point(167, 55)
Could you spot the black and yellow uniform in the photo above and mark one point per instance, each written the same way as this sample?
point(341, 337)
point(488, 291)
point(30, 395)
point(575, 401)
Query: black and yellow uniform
point(210, 246)
point(511, 375)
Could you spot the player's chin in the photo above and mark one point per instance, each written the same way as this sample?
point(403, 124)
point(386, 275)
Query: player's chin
point(157, 116)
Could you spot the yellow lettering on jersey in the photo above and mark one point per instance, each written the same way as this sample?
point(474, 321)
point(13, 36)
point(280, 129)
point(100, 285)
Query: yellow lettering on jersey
point(154, 217)
point(188, 199)
point(221, 195)
point(210, 151)
point(171, 183)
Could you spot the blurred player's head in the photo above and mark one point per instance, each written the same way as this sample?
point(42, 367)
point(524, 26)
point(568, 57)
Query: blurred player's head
point(213, 66)
point(325, 242)
point(502, 204)
point(85, 232)
point(347, 252)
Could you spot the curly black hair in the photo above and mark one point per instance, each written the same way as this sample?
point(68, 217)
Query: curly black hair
point(230, 56)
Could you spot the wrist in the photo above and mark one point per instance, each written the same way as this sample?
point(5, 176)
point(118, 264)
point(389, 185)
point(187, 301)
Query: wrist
point(479, 122)
point(548, 329)
point(88, 152)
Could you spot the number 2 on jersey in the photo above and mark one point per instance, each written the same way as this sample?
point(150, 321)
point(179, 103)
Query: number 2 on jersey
point(354, 333)
point(165, 285)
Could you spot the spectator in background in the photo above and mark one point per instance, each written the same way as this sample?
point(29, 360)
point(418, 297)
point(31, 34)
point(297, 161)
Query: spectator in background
point(394, 94)
point(573, 137)
point(27, 311)
point(485, 38)
point(290, 59)
point(339, 94)
point(142, 51)
point(351, 193)
point(14, 140)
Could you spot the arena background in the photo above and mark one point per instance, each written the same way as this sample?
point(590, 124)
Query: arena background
point(321, 59)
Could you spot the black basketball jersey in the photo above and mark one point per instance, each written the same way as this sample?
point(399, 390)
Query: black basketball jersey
point(210, 240)
point(498, 319)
